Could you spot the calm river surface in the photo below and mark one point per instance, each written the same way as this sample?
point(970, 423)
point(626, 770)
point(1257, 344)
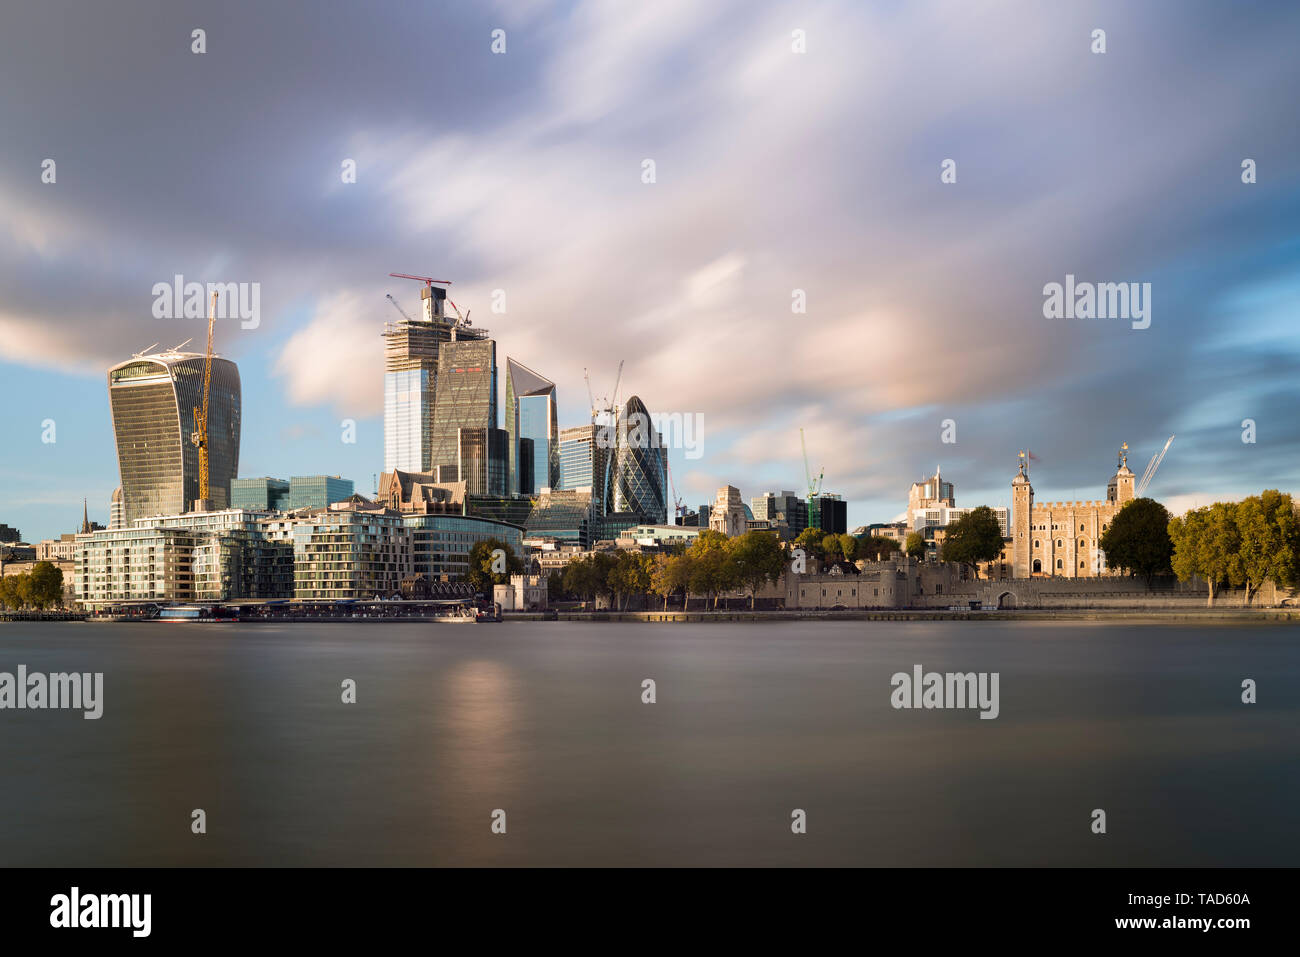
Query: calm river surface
point(545, 721)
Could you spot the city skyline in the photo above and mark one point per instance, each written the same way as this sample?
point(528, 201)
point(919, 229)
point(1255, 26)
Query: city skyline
point(924, 299)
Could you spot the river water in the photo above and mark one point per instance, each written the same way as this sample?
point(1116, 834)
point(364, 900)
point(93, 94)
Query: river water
point(545, 722)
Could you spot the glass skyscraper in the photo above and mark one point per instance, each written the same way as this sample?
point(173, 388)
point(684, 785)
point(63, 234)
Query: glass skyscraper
point(586, 454)
point(640, 466)
point(153, 399)
point(411, 350)
point(465, 397)
point(531, 414)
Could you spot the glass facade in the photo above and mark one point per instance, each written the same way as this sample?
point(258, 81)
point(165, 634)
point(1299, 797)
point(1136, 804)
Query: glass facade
point(441, 543)
point(465, 396)
point(317, 491)
point(265, 494)
point(408, 416)
point(483, 460)
point(153, 401)
point(564, 515)
point(531, 414)
point(585, 457)
point(641, 466)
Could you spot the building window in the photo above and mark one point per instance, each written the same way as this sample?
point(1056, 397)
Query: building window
point(1037, 543)
point(1058, 543)
point(1058, 563)
point(1038, 565)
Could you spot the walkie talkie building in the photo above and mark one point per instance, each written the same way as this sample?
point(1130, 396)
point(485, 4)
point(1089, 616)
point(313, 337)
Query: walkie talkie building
point(153, 398)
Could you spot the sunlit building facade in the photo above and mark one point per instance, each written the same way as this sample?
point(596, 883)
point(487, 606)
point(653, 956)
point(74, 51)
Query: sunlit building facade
point(532, 420)
point(153, 399)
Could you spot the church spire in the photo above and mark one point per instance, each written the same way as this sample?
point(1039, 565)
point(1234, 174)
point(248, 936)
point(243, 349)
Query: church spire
point(85, 516)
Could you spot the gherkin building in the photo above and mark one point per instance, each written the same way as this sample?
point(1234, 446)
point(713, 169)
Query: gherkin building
point(640, 470)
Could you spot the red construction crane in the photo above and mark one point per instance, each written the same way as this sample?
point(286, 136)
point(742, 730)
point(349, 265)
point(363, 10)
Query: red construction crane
point(424, 279)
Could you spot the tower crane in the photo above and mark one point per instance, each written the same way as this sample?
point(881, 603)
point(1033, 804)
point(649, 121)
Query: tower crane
point(609, 404)
point(814, 484)
point(399, 308)
point(1150, 472)
point(200, 434)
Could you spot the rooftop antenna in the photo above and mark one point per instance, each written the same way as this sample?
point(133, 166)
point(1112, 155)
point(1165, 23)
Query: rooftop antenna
point(182, 345)
point(145, 351)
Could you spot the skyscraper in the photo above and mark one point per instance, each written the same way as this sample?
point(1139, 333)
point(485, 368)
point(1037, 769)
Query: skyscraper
point(531, 414)
point(153, 398)
point(586, 458)
point(640, 473)
point(466, 394)
point(411, 352)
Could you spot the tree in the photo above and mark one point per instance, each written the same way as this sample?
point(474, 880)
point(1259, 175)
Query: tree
point(831, 549)
point(580, 578)
point(915, 546)
point(629, 575)
point(555, 584)
point(810, 540)
point(974, 538)
point(9, 592)
point(46, 584)
point(1207, 543)
point(1269, 540)
point(875, 548)
point(758, 558)
point(480, 573)
point(1138, 539)
point(712, 570)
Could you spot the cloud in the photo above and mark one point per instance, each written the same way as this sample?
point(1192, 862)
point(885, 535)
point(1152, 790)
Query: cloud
point(775, 171)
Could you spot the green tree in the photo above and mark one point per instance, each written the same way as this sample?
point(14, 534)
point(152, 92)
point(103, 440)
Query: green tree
point(1207, 543)
point(9, 592)
point(1138, 539)
point(480, 573)
point(810, 540)
point(875, 548)
point(580, 578)
point(758, 558)
point(46, 584)
point(712, 569)
point(915, 546)
point(555, 585)
point(974, 538)
point(831, 549)
point(628, 576)
point(1269, 540)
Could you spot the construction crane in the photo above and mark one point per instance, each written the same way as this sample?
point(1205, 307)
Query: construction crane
point(424, 279)
point(200, 434)
point(814, 484)
point(399, 308)
point(678, 505)
point(609, 404)
point(1150, 472)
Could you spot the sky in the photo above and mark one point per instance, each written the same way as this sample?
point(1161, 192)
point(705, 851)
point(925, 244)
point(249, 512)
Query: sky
point(796, 146)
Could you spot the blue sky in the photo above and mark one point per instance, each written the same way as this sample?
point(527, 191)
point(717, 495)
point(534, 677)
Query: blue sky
point(775, 171)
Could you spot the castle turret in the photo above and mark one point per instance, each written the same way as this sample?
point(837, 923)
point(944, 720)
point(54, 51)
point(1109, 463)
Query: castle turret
point(1122, 484)
point(1022, 506)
